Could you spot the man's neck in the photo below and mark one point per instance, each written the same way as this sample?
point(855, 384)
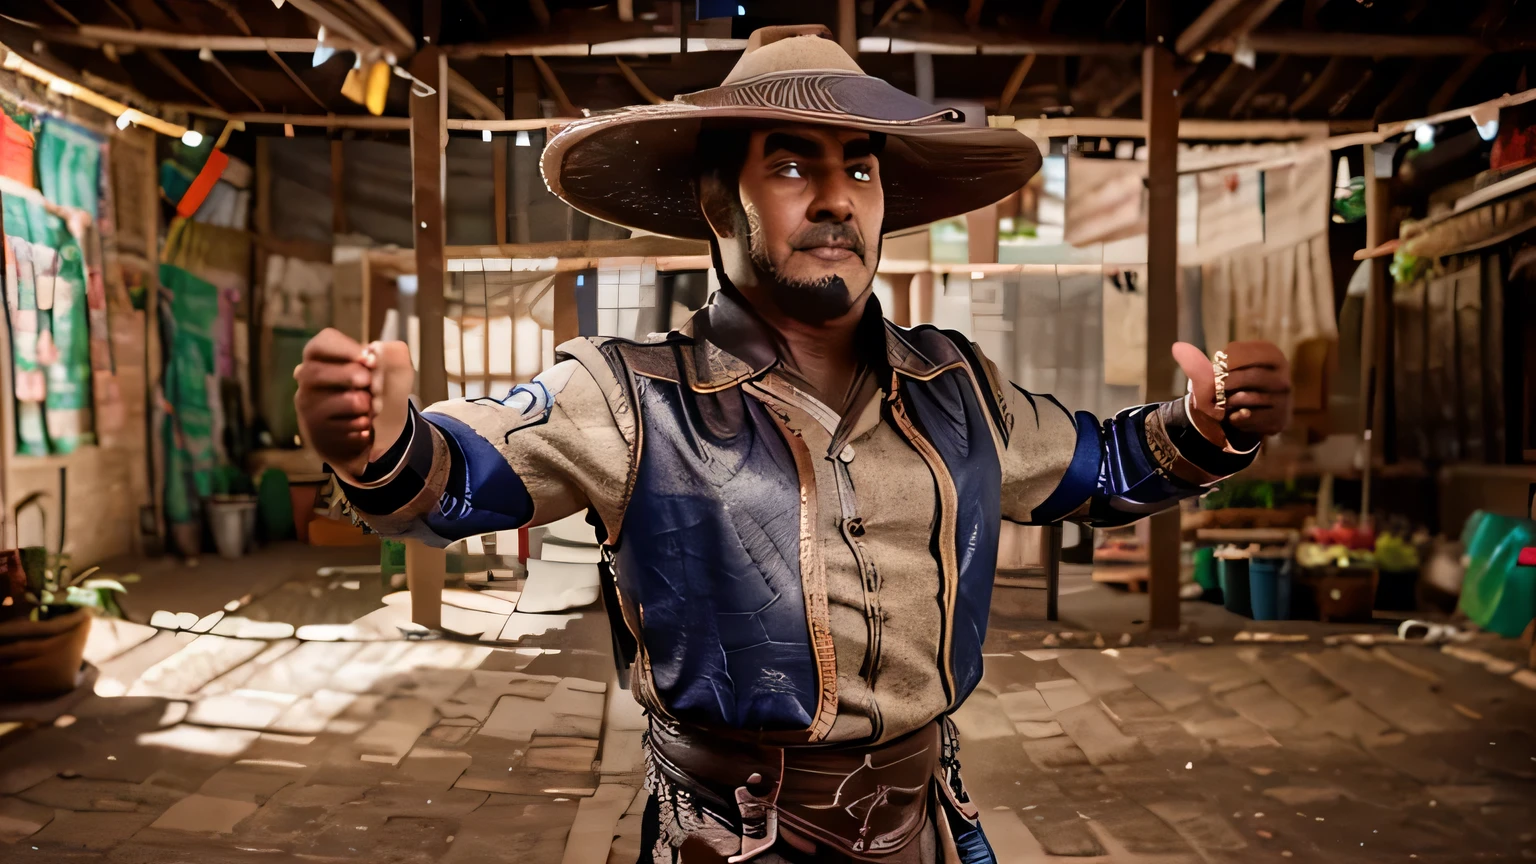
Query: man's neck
point(825, 355)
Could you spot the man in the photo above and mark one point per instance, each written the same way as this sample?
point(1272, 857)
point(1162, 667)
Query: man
point(799, 501)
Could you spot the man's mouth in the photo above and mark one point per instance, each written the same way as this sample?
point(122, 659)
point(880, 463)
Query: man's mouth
point(830, 253)
point(832, 248)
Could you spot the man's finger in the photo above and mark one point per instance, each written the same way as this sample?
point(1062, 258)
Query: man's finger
point(326, 405)
point(332, 345)
point(1202, 377)
point(1264, 380)
point(333, 376)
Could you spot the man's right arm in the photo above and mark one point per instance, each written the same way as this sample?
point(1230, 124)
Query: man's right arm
point(464, 467)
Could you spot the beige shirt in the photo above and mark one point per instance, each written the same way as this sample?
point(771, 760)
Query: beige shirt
point(560, 437)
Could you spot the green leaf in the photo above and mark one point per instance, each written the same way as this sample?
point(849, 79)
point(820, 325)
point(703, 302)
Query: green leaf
point(84, 597)
point(103, 585)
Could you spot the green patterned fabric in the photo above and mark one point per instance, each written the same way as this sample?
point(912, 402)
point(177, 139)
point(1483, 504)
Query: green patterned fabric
point(189, 311)
point(69, 165)
point(50, 329)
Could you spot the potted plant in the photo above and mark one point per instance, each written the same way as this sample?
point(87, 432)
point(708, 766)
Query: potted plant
point(44, 625)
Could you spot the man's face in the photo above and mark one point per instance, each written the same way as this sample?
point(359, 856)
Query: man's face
point(813, 208)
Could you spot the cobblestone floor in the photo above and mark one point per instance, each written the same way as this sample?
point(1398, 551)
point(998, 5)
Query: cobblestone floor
point(251, 742)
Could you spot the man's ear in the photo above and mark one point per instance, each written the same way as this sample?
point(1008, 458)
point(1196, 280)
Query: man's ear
point(718, 205)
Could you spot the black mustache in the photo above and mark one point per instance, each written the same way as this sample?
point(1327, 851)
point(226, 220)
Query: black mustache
point(831, 234)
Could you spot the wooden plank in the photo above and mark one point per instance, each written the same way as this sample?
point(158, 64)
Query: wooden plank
point(1320, 43)
point(499, 188)
point(338, 185)
point(1376, 324)
point(1161, 108)
point(567, 326)
point(848, 26)
point(426, 568)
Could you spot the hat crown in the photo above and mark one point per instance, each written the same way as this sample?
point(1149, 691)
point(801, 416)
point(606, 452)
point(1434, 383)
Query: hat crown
point(801, 47)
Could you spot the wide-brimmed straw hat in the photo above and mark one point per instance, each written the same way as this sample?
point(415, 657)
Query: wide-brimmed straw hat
point(635, 166)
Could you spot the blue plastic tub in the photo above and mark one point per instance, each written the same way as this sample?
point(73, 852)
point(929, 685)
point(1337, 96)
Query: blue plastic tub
point(1269, 588)
point(1234, 585)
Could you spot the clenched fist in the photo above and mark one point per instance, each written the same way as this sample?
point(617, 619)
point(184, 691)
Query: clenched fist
point(353, 400)
point(1255, 387)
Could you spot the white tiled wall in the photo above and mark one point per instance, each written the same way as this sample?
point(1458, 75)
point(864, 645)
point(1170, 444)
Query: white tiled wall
point(624, 291)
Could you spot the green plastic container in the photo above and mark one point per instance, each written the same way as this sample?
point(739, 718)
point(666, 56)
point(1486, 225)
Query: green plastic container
point(1205, 568)
point(1497, 594)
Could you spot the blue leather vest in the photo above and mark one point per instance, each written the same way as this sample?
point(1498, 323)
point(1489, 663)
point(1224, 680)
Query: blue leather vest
point(713, 581)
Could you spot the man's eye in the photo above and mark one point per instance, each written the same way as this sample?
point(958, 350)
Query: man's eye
point(792, 171)
point(860, 174)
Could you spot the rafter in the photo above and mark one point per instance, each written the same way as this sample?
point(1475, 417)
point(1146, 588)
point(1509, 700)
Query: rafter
point(401, 35)
point(1315, 89)
point(62, 12)
point(1213, 92)
point(213, 60)
point(1194, 38)
point(1015, 81)
point(1342, 102)
point(552, 86)
point(239, 21)
point(334, 24)
point(1258, 84)
point(1329, 44)
point(1108, 107)
point(95, 36)
point(1447, 90)
point(645, 92)
point(165, 65)
point(469, 97)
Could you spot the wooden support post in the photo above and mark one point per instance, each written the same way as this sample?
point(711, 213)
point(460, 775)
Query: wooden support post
point(338, 184)
point(567, 316)
point(848, 26)
point(499, 187)
point(425, 567)
point(981, 235)
point(1375, 336)
point(1160, 107)
point(922, 298)
point(901, 299)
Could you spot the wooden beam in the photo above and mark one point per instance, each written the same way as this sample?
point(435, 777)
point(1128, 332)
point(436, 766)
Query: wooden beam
point(426, 568)
point(1258, 84)
point(1213, 130)
point(1376, 320)
point(1213, 92)
point(566, 313)
point(1015, 81)
point(239, 21)
point(1108, 107)
point(169, 68)
point(1448, 89)
point(1256, 17)
point(1315, 89)
point(335, 25)
point(80, 93)
point(499, 187)
point(216, 63)
point(1343, 100)
point(553, 88)
point(464, 94)
point(398, 32)
point(1161, 109)
point(626, 10)
point(338, 187)
point(96, 36)
point(645, 92)
point(848, 26)
point(1195, 37)
point(1330, 44)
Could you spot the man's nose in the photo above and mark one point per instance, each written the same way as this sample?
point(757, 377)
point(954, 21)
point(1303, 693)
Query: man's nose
point(833, 201)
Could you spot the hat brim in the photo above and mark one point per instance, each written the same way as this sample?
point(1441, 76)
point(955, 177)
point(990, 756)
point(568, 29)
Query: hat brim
point(636, 168)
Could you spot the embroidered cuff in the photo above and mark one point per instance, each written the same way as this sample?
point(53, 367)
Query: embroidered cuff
point(396, 478)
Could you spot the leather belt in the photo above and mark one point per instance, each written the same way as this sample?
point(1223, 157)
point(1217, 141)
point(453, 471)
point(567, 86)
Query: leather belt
point(867, 803)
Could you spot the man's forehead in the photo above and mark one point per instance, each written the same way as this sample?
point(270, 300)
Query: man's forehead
point(820, 135)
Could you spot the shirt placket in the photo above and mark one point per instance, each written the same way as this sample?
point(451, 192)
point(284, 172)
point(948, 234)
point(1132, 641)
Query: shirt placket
point(850, 524)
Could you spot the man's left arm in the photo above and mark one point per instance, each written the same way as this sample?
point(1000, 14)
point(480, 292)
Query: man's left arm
point(1058, 464)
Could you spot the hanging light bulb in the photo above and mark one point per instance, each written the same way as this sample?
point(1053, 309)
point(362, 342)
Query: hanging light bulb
point(1425, 135)
point(192, 138)
point(124, 119)
point(485, 135)
point(522, 139)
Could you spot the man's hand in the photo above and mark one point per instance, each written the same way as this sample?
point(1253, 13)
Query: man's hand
point(352, 400)
point(1257, 390)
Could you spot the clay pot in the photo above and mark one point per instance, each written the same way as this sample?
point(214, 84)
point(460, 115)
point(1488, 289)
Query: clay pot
point(41, 659)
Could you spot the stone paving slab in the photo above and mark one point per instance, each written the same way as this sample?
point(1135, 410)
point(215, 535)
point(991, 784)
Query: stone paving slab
point(1404, 700)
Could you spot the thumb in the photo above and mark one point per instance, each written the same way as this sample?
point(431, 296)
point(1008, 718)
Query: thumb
point(1202, 377)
